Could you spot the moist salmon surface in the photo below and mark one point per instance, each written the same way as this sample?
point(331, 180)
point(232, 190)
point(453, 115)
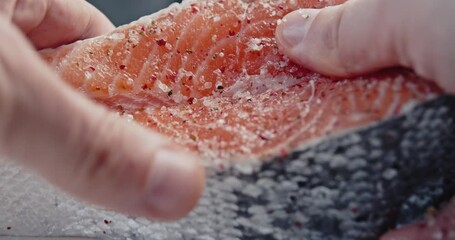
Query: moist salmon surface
point(209, 75)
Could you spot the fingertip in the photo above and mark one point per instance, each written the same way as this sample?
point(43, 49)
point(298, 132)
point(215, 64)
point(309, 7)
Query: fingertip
point(176, 183)
point(305, 36)
point(293, 28)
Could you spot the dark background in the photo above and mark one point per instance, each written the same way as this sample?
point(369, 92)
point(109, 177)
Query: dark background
point(126, 11)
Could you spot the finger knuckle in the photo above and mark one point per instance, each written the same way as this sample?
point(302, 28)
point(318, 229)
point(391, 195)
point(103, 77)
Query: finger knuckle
point(110, 159)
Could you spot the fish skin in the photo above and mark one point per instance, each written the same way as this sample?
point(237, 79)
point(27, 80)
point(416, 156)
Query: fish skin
point(306, 195)
point(208, 74)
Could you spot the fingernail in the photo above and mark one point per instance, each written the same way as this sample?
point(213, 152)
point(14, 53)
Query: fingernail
point(295, 26)
point(175, 184)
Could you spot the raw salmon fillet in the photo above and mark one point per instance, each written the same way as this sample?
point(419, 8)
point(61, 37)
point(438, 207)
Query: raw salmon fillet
point(209, 75)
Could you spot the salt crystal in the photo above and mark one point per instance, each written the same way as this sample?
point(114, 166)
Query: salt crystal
point(88, 75)
point(162, 86)
point(437, 235)
point(168, 46)
point(116, 36)
point(255, 44)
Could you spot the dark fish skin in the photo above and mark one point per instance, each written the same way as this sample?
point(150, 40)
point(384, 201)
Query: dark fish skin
point(361, 184)
point(354, 186)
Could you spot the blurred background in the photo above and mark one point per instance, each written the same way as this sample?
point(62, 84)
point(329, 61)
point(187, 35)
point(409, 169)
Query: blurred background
point(125, 11)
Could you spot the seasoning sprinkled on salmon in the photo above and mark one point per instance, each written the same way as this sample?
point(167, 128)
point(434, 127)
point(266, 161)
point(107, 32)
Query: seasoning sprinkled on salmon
point(209, 75)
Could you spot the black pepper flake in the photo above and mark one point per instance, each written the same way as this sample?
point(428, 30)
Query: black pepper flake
point(107, 221)
point(215, 56)
point(193, 137)
point(8, 228)
point(161, 42)
point(220, 87)
point(169, 93)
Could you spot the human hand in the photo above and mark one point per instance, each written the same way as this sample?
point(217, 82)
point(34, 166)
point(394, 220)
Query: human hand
point(73, 142)
point(361, 36)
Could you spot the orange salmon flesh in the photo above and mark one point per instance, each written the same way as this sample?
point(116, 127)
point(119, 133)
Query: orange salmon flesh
point(208, 74)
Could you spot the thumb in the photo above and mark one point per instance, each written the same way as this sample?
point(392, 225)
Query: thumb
point(83, 148)
point(360, 36)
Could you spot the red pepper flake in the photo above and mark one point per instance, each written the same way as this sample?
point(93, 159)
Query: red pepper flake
point(144, 87)
point(171, 75)
point(122, 67)
point(231, 33)
point(263, 137)
point(284, 153)
point(194, 8)
point(298, 224)
point(248, 20)
point(161, 42)
point(190, 100)
point(143, 28)
point(422, 225)
point(153, 77)
point(91, 68)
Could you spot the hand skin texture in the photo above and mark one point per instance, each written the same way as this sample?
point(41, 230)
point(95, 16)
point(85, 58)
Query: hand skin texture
point(362, 36)
point(71, 141)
